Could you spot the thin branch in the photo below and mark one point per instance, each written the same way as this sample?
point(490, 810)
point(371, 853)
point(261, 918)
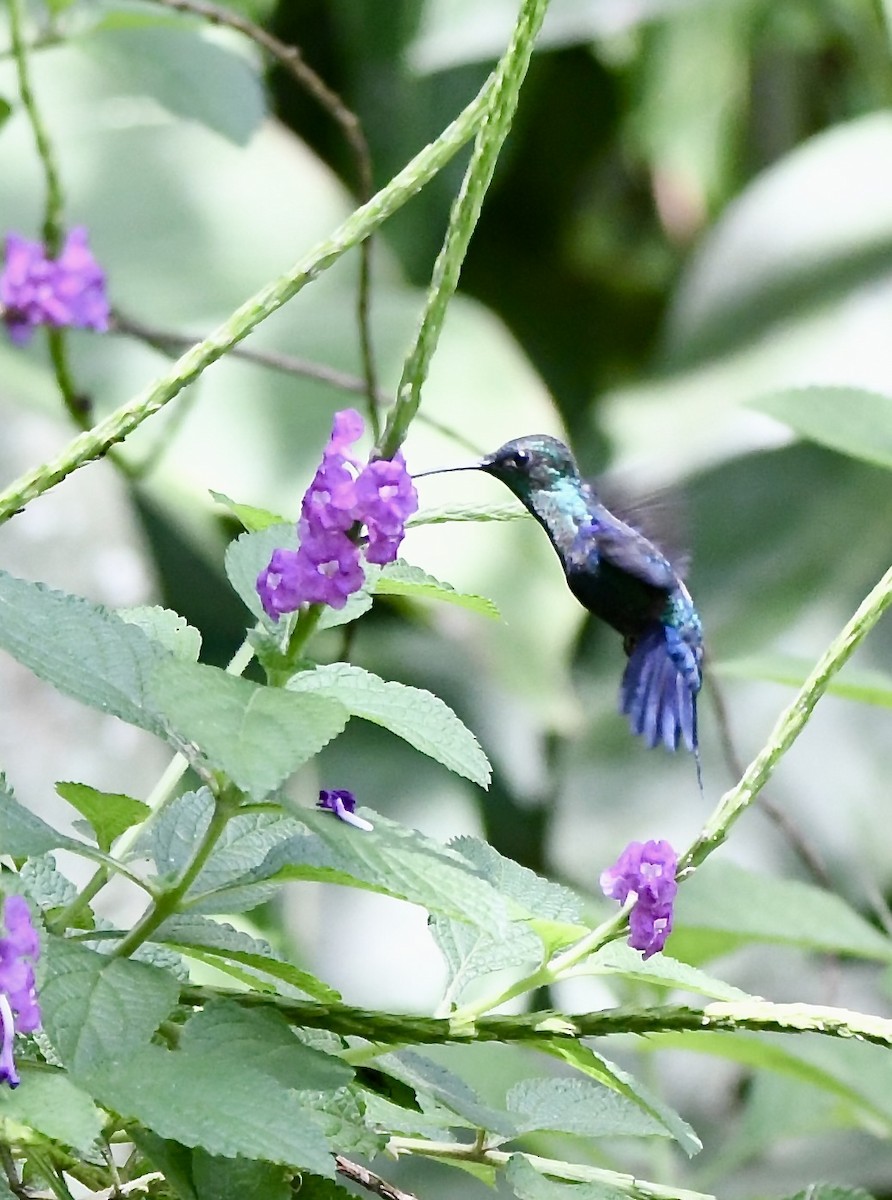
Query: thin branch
point(293, 61)
point(369, 1180)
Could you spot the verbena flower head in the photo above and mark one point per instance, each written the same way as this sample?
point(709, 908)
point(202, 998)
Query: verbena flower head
point(646, 869)
point(19, 1010)
point(343, 804)
point(38, 290)
point(326, 568)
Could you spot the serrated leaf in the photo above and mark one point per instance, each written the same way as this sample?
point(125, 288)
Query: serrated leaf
point(852, 421)
point(80, 648)
point(357, 606)
point(864, 686)
point(731, 906)
point(170, 1158)
point(391, 1118)
point(253, 519)
point(211, 1100)
point(237, 1179)
point(24, 835)
point(616, 958)
point(532, 893)
point(170, 839)
point(400, 579)
point(342, 1117)
point(46, 886)
point(263, 1038)
point(587, 1060)
point(528, 1184)
point(391, 859)
point(51, 1104)
point(167, 628)
point(579, 1106)
point(108, 813)
point(415, 715)
point(218, 940)
point(96, 1008)
point(431, 1079)
point(257, 735)
point(472, 951)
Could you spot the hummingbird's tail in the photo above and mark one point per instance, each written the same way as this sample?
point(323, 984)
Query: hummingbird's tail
point(659, 689)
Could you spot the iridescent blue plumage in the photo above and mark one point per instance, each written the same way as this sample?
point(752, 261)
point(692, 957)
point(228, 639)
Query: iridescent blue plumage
point(619, 575)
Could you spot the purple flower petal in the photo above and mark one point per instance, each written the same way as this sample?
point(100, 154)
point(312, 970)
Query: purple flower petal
point(37, 290)
point(647, 870)
point(343, 804)
point(8, 1073)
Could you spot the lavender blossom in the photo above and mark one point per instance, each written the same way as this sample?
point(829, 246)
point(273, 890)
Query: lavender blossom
point(38, 290)
point(19, 1010)
point(343, 804)
point(327, 568)
point(648, 870)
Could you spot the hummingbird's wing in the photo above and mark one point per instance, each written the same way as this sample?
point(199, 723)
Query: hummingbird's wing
point(629, 551)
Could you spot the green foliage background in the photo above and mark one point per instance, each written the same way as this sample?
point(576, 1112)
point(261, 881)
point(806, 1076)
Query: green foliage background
point(690, 224)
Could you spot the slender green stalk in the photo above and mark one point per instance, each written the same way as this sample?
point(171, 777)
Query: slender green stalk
point(553, 1167)
point(167, 902)
point(118, 425)
point(550, 1027)
point(501, 106)
point(788, 727)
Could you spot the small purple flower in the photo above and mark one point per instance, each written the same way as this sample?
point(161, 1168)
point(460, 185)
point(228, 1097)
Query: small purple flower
point(343, 804)
point(646, 869)
point(66, 291)
point(327, 566)
point(19, 1010)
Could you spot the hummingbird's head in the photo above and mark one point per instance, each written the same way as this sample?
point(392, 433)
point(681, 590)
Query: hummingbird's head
point(529, 464)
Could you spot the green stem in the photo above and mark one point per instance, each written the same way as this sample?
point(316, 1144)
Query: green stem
point(501, 106)
point(95, 443)
point(168, 901)
point(552, 1027)
point(788, 727)
point(556, 1168)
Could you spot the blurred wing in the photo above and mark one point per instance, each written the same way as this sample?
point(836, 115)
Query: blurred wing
point(659, 693)
point(629, 551)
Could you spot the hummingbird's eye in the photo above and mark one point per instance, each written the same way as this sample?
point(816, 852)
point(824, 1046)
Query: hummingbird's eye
point(522, 458)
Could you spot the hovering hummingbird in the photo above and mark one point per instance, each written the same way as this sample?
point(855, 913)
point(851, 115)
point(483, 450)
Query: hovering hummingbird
point(618, 574)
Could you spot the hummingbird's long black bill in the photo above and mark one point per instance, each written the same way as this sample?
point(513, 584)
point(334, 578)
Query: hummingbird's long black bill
point(448, 470)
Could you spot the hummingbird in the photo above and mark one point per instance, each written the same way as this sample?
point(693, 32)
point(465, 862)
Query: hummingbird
point(621, 577)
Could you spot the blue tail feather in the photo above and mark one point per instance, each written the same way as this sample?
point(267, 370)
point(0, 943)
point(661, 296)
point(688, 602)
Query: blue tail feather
point(659, 689)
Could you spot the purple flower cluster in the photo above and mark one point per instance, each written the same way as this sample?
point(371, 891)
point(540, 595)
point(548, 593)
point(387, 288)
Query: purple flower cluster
point(326, 568)
point(648, 870)
point(19, 1010)
point(343, 804)
point(64, 291)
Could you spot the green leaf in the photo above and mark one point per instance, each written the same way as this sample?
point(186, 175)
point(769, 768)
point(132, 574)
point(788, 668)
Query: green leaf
point(723, 906)
point(579, 1106)
point(192, 76)
point(264, 1039)
point(170, 839)
point(535, 895)
point(51, 1104)
point(528, 1184)
point(415, 715)
point(428, 1078)
point(96, 1008)
point(22, 834)
point(238, 1179)
point(864, 686)
point(253, 519)
point(44, 884)
point(391, 859)
point(109, 813)
point(831, 1191)
point(217, 940)
point(214, 1101)
point(472, 952)
point(169, 1157)
point(616, 958)
point(6, 108)
point(584, 1059)
point(166, 627)
point(342, 1117)
point(82, 649)
point(401, 579)
point(849, 420)
point(257, 735)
